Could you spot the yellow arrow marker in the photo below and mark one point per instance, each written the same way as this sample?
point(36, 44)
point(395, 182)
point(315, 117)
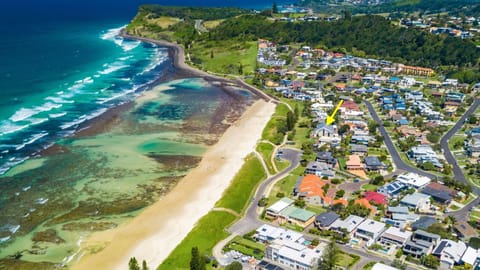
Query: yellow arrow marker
point(331, 118)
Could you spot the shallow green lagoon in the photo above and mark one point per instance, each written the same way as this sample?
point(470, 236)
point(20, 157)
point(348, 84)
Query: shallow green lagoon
point(49, 204)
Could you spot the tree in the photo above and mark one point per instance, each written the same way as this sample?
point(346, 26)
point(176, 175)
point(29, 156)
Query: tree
point(133, 264)
point(234, 266)
point(144, 265)
point(330, 257)
point(290, 121)
point(378, 180)
point(340, 193)
point(472, 120)
point(299, 203)
point(430, 261)
point(343, 129)
point(197, 262)
point(274, 7)
point(433, 137)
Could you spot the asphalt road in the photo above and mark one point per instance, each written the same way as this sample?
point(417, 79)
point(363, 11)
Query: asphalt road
point(457, 171)
point(250, 220)
point(462, 214)
point(399, 163)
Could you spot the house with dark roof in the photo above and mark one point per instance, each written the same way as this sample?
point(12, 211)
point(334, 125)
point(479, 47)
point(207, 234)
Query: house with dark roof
point(464, 230)
point(327, 158)
point(358, 149)
point(423, 223)
point(319, 169)
point(373, 164)
point(324, 220)
point(438, 196)
point(420, 244)
point(392, 190)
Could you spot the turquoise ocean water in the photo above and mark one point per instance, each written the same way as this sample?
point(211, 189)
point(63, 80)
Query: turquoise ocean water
point(62, 64)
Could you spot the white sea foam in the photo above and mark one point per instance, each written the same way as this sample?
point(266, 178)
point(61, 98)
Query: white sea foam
point(59, 100)
point(117, 96)
point(26, 188)
point(57, 115)
point(42, 200)
point(4, 239)
point(14, 229)
point(113, 35)
point(37, 121)
point(25, 113)
point(7, 127)
point(31, 140)
point(112, 68)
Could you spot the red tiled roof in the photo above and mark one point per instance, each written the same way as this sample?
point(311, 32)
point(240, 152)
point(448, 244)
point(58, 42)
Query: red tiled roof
point(376, 197)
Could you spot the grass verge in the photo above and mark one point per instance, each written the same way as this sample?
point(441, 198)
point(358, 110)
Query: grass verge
point(266, 150)
point(242, 186)
point(209, 230)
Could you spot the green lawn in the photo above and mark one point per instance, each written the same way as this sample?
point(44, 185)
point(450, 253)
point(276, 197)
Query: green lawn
point(317, 209)
point(205, 235)
point(240, 190)
point(229, 57)
point(285, 185)
point(456, 140)
point(346, 260)
point(270, 132)
point(281, 164)
point(369, 187)
point(266, 151)
point(454, 207)
point(302, 135)
point(246, 247)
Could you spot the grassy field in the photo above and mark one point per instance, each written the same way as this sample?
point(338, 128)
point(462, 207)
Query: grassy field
point(246, 247)
point(242, 186)
point(212, 24)
point(270, 132)
point(456, 140)
point(285, 185)
point(369, 187)
point(346, 260)
point(281, 164)
point(225, 57)
point(206, 234)
point(266, 151)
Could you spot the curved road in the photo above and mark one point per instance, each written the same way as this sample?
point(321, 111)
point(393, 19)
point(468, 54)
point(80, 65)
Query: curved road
point(461, 214)
point(457, 171)
point(250, 220)
point(399, 163)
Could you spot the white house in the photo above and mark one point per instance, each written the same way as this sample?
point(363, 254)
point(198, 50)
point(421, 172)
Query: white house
point(293, 255)
point(450, 252)
point(349, 224)
point(395, 236)
point(381, 266)
point(414, 180)
point(369, 230)
point(269, 233)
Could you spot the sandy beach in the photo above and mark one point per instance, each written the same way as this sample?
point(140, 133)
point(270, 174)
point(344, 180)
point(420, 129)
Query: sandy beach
point(154, 233)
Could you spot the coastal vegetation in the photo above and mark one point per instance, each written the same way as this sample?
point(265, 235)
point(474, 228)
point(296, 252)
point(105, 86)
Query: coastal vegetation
point(242, 186)
point(367, 35)
point(209, 230)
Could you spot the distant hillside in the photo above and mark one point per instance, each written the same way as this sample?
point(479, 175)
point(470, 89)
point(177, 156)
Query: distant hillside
point(370, 35)
point(423, 6)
